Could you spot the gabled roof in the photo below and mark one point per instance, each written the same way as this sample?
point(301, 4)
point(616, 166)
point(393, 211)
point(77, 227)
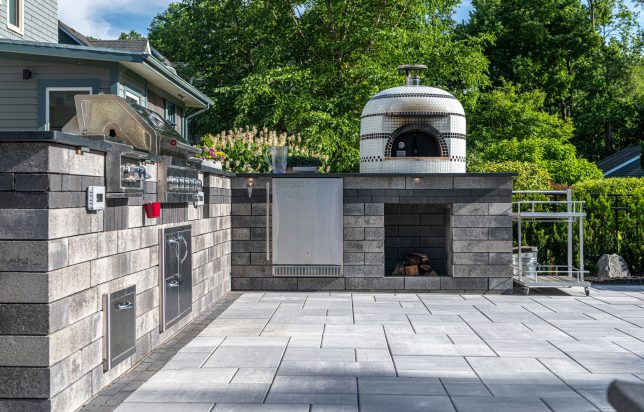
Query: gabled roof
point(624, 163)
point(73, 34)
point(139, 45)
point(143, 64)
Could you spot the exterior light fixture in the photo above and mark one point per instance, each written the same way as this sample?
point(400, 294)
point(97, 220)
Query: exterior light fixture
point(250, 183)
point(27, 74)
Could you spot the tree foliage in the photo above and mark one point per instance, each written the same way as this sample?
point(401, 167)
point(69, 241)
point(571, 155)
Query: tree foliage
point(132, 35)
point(530, 176)
point(537, 78)
point(585, 57)
point(513, 126)
point(309, 67)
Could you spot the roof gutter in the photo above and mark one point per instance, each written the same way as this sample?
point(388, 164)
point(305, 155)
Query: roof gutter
point(68, 51)
point(192, 116)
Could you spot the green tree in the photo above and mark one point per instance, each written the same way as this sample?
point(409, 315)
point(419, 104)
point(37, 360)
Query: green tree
point(511, 126)
point(309, 67)
point(132, 35)
point(585, 56)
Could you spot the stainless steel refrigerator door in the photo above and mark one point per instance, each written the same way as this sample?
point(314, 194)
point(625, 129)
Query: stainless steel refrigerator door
point(307, 221)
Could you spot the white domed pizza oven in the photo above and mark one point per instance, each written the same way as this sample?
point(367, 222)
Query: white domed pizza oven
point(412, 129)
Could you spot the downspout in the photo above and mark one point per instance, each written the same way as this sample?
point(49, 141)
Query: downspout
point(192, 116)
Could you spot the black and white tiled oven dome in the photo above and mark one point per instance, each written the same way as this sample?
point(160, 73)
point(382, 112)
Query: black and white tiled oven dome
point(434, 113)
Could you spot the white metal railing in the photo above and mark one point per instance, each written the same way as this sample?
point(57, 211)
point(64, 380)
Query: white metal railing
point(568, 211)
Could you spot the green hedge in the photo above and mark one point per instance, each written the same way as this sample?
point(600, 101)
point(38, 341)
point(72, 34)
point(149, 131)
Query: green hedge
point(531, 176)
point(600, 231)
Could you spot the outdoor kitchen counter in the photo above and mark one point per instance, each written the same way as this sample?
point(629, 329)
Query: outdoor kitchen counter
point(461, 220)
point(59, 261)
point(368, 175)
point(96, 144)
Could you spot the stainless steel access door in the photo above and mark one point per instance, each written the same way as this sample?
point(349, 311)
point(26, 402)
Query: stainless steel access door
point(307, 226)
point(119, 337)
point(175, 274)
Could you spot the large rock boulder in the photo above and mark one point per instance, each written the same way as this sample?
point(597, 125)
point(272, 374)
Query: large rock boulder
point(611, 267)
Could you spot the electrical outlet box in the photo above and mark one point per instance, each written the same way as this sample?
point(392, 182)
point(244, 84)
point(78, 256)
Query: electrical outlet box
point(199, 199)
point(96, 198)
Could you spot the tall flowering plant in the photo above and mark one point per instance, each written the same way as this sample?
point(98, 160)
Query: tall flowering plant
point(245, 148)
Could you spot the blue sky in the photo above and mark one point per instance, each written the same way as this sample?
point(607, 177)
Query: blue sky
point(106, 19)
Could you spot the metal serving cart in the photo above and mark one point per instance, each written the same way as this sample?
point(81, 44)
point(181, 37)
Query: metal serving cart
point(552, 211)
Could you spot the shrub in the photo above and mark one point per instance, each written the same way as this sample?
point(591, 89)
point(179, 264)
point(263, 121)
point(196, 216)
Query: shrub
point(606, 233)
point(600, 232)
point(245, 149)
point(559, 158)
point(531, 176)
point(304, 161)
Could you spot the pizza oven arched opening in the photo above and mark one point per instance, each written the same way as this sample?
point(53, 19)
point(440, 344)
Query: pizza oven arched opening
point(416, 141)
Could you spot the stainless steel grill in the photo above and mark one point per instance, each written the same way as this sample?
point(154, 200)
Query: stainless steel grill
point(138, 136)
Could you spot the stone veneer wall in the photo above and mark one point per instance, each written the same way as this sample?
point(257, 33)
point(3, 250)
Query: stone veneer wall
point(478, 233)
point(57, 260)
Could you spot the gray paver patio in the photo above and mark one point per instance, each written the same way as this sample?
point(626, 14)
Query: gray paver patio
point(405, 352)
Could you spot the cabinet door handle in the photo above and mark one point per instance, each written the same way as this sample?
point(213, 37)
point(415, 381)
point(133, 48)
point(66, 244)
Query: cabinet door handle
point(124, 305)
point(175, 283)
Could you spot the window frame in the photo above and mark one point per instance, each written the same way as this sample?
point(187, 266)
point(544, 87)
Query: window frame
point(171, 115)
point(20, 28)
point(62, 89)
point(134, 96)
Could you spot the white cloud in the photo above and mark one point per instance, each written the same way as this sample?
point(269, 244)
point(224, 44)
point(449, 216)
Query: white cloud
point(92, 17)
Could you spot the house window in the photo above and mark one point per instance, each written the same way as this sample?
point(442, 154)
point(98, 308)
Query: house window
point(60, 105)
point(171, 113)
point(15, 16)
point(132, 98)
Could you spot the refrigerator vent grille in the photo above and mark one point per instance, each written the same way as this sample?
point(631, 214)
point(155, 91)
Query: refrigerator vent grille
point(330, 271)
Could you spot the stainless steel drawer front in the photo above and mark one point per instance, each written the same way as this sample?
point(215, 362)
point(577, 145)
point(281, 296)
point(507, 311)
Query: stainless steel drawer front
point(175, 276)
point(120, 326)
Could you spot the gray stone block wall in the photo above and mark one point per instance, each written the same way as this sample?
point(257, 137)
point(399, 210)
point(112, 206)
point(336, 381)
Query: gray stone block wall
point(416, 228)
point(477, 233)
point(57, 260)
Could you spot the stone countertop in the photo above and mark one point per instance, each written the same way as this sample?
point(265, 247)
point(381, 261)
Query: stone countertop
point(96, 144)
point(99, 145)
point(336, 175)
point(34, 136)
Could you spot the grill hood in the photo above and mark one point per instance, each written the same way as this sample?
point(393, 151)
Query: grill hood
point(117, 120)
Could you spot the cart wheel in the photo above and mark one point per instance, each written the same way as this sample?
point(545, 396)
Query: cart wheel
point(587, 290)
point(526, 291)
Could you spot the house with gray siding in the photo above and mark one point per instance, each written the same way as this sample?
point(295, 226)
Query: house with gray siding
point(31, 20)
point(44, 63)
